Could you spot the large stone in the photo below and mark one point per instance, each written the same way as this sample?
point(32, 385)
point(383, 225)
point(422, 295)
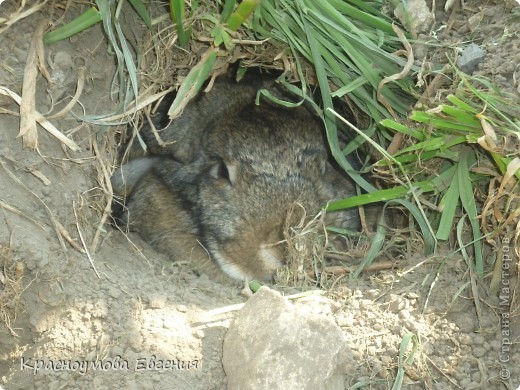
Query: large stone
point(273, 344)
point(415, 15)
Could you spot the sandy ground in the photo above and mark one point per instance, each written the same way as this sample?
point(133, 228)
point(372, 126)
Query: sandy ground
point(126, 317)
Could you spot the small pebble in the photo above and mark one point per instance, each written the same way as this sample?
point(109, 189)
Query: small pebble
point(372, 294)
point(405, 315)
point(157, 301)
point(478, 339)
point(479, 352)
point(476, 376)
point(465, 339)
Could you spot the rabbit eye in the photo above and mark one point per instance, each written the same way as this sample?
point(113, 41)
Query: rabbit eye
point(221, 171)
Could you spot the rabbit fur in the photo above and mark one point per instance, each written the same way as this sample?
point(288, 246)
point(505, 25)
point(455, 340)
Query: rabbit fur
point(218, 194)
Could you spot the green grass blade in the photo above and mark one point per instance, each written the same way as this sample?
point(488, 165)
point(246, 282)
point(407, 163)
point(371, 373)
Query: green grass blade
point(141, 10)
point(461, 104)
point(467, 159)
point(112, 27)
point(330, 124)
point(491, 100)
point(227, 10)
point(82, 22)
point(177, 13)
point(375, 247)
point(271, 97)
point(379, 196)
point(391, 124)
point(423, 156)
point(244, 9)
point(438, 184)
point(444, 124)
point(350, 50)
point(430, 242)
point(405, 358)
point(350, 87)
point(437, 143)
point(128, 60)
point(193, 82)
point(448, 205)
point(301, 93)
point(332, 7)
point(106, 14)
point(365, 6)
point(461, 116)
point(359, 140)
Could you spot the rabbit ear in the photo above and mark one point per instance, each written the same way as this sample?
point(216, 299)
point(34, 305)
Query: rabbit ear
point(127, 176)
point(223, 171)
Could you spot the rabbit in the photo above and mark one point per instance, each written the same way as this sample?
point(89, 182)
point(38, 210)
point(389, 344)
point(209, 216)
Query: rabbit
point(218, 196)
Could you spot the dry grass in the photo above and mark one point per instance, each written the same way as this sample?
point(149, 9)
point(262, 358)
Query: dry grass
point(319, 258)
point(11, 287)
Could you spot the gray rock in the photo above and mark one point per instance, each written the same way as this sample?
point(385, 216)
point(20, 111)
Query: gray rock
point(472, 55)
point(415, 16)
point(273, 344)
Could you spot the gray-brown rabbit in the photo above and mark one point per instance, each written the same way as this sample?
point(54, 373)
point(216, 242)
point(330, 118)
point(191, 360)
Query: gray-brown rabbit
point(219, 195)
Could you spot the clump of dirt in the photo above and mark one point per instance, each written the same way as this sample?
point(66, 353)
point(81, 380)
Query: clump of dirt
point(82, 305)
